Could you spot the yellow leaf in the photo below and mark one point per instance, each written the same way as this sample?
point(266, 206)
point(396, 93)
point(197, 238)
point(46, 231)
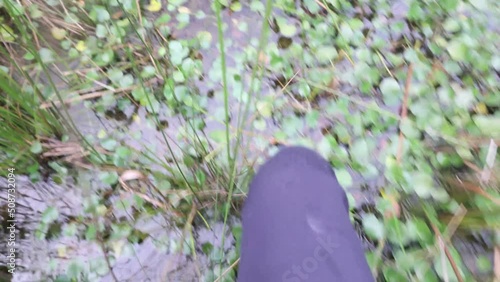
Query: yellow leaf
point(184, 10)
point(6, 33)
point(61, 251)
point(136, 118)
point(481, 109)
point(118, 247)
point(58, 33)
point(80, 46)
point(101, 134)
point(154, 6)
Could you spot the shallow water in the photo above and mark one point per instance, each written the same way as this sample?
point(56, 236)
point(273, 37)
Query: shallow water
point(152, 260)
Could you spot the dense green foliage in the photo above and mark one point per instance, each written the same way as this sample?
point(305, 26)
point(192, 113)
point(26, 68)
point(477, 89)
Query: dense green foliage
point(402, 97)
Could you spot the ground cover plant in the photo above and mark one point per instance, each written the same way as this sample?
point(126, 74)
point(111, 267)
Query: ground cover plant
point(154, 110)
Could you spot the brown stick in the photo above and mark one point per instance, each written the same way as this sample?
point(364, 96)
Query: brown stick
point(469, 186)
point(227, 270)
point(448, 254)
point(404, 112)
point(93, 95)
point(496, 263)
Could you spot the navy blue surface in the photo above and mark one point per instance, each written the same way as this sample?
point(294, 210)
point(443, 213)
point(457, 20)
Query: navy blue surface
point(296, 224)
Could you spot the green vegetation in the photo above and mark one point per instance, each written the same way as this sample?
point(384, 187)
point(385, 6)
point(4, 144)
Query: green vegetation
point(401, 96)
point(22, 121)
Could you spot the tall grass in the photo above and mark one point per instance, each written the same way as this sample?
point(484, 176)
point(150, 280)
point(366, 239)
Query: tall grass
point(242, 116)
point(56, 121)
point(21, 123)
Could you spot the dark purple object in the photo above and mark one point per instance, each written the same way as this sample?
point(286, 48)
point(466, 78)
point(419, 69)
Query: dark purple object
point(296, 224)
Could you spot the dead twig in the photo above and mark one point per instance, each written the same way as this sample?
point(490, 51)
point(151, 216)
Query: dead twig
point(188, 228)
point(443, 246)
point(490, 162)
point(95, 95)
point(382, 59)
point(469, 186)
point(139, 15)
point(321, 4)
point(80, 98)
point(404, 113)
point(496, 263)
point(128, 175)
point(227, 270)
point(446, 277)
point(106, 257)
point(455, 221)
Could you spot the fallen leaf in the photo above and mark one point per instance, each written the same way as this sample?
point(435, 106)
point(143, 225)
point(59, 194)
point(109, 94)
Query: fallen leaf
point(154, 6)
point(80, 46)
point(58, 33)
point(131, 175)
